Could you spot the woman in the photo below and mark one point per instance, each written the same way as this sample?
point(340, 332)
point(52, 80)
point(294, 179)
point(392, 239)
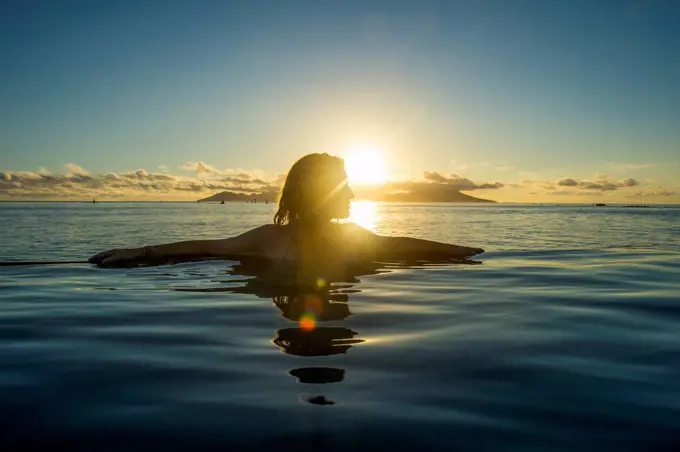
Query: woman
point(314, 194)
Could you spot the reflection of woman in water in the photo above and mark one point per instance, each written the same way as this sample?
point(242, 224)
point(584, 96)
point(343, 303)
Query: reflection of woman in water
point(309, 338)
point(314, 194)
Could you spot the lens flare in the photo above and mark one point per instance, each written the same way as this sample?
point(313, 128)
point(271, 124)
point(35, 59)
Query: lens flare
point(307, 322)
point(313, 307)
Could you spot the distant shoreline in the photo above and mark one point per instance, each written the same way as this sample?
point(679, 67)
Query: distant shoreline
point(234, 202)
point(90, 202)
point(489, 204)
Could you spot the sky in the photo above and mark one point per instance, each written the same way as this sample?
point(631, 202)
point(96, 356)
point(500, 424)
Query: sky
point(510, 100)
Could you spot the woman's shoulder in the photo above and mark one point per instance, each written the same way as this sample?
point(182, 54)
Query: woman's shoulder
point(354, 236)
point(261, 235)
point(267, 230)
point(353, 229)
point(268, 240)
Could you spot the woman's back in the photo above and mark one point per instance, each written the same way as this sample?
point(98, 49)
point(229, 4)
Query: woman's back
point(332, 241)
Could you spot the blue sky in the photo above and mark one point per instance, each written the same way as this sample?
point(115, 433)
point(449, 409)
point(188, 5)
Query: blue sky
point(527, 93)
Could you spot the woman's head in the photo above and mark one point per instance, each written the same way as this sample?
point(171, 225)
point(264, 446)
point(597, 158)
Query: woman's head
point(315, 190)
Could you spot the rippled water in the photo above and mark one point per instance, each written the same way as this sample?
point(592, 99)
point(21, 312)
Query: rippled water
point(564, 335)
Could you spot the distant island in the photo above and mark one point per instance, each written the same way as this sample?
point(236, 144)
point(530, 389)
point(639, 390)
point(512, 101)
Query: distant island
point(419, 193)
point(424, 194)
point(230, 196)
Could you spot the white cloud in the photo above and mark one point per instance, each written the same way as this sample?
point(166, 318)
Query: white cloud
point(201, 168)
point(79, 183)
point(76, 170)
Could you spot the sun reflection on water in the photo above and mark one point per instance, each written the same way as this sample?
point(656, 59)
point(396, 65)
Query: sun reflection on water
point(365, 214)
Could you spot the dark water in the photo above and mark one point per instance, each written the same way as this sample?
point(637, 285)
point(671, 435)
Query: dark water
point(564, 336)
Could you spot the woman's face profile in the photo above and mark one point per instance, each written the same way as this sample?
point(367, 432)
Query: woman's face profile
point(338, 204)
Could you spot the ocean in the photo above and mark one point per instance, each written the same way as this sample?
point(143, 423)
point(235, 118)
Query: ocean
point(563, 335)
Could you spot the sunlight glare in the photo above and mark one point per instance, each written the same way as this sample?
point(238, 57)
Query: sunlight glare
point(365, 166)
point(364, 213)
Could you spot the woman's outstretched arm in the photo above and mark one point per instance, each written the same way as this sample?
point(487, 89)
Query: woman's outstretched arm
point(379, 245)
point(410, 245)
point(246, 244)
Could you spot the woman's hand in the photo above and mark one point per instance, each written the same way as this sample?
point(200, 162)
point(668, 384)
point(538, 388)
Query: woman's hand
point(118, 257)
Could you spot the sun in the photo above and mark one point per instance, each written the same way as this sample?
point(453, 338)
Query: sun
point(365, 166)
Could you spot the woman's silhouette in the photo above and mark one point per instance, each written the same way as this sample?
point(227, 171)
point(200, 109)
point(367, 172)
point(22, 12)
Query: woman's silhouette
point(315, 193)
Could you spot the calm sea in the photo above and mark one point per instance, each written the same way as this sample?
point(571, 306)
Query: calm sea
point(565, 335)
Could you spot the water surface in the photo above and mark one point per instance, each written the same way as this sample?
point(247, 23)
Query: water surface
point(564, 335)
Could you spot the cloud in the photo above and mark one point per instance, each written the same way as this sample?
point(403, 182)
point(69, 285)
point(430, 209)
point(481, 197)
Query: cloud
point(142, 184)
point(490, 186)
point(76, 170)
point(601, 184)
point(629, 182)
point(164, 177)
point(432, 187)
point(606, 186)
point(200, 168)
point(435, 177)
point(78, 183)
point(568, 182)
point(459, 183)
point(7, 175)
point(139, 174)
point(652, 193)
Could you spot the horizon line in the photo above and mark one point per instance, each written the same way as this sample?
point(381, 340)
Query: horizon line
point(618, 204)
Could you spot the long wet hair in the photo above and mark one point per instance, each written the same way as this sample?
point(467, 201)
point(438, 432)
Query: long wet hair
point(309, 185)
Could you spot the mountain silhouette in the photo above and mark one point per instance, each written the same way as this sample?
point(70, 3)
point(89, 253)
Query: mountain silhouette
point(230, 196)
point(424, 192)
